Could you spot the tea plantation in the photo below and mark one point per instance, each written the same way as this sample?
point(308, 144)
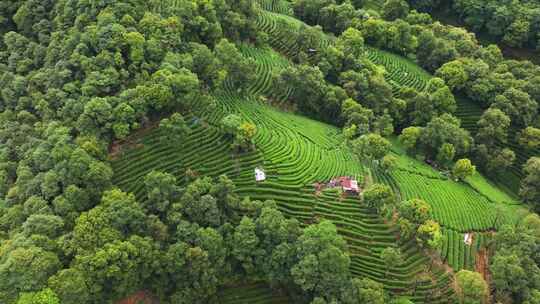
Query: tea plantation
point(296, 152)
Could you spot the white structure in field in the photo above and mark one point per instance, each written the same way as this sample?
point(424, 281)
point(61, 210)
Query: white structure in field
point(467, 239)
point(259, 175)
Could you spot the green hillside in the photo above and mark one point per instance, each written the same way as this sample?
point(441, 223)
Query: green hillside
point(297, 152)
point(267, 152)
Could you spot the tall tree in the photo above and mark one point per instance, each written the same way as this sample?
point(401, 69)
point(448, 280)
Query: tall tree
point(174, 130)
point(46, 296)
point(394, 9)
point(530, 138)
point(530, 185)
point(378, 197)
point(472, 288)
point(392, 257)
point(463, 169)
point(371, 147)
point(322, 266)
point(26, 270)
point(493, 125)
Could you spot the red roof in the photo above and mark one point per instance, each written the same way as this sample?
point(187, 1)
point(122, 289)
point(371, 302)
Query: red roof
point(349, 184)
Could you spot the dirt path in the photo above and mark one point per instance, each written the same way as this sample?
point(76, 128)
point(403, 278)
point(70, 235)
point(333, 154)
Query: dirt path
point(482, 267)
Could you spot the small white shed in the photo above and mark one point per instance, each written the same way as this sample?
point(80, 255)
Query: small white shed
point(260, 175)
point(468, 238)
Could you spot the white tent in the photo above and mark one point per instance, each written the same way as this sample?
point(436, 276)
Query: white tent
point(259, 175)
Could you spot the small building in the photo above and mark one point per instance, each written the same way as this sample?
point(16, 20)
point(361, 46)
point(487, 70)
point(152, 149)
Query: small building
point(468, 238)
point(259, 175)
point(349, 185)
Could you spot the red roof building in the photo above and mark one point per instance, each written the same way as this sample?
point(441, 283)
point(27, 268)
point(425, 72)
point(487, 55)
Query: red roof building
point(349, 185)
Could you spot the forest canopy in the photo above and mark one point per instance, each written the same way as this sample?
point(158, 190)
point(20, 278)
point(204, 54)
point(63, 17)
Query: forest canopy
point(82, 81)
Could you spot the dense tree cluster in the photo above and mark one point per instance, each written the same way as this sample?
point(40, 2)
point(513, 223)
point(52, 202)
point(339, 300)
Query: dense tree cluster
point(514, 267)
point(74, 76)
point(471, 287)
point(242, 132)
point(530, 185)
point(515, 23)
point(182, 243)
point(416, 222)
point(441, 139)
point(414, 218)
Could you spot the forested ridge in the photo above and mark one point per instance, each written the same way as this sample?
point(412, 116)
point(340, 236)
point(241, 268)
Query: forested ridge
point(513, 23)
point(130, 130)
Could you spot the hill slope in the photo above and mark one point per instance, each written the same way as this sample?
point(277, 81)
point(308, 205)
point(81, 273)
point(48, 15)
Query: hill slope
point(296, 152)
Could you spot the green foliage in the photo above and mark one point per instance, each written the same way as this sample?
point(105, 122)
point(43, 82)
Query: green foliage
point(364, 291)
point(70, 285)
point(445, 129)
point(392, 257)
point(242, 131)
point(43, 224)
point(446, 154)
point(174, 129)
point(518, 105)
point(394, 9)
point(429, 235)
point(472, 287)
point(72, 83)
point(389, 162)
point(436, 101)
point(530, 138)
point(379, 197)
point(515, 273)
point(454, 74)
point(410, 138)
point(246, 245)
point(501, 21)
point(240, 70)
point(46, 296)
point(415, 210)
point(26, 270)
point(312, 94)
point(322, 261)
point(371, 147)
point(530, 190)
point(161, 190)
point(463, 169)
point(492, 126)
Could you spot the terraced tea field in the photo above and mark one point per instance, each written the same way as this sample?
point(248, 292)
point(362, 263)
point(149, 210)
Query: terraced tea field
point(296, 152)
point(251, 294)
point(400, 72)
point(459, 255)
